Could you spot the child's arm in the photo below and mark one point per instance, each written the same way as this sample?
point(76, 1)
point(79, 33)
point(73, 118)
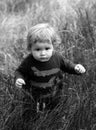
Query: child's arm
point(21, 73)
point(19, 77)
point(70, 67)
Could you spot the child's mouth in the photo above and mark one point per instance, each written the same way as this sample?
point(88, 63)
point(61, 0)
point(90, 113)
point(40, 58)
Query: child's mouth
point(43, 58)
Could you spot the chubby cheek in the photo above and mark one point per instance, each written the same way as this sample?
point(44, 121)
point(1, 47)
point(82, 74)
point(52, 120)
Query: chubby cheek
point(51, 53)
point(35, 54)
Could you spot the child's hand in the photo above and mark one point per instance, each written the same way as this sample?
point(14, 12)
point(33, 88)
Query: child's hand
point(19, 83)
point(80, 69)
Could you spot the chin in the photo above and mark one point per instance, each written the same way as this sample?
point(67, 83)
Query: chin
point(44, 60)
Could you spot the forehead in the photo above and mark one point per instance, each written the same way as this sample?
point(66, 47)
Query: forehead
point(42, 45)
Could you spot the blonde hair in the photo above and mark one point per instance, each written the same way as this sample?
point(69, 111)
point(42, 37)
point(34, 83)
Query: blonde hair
point(42, 32)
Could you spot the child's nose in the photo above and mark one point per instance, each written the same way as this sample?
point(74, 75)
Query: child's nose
point(43, 52)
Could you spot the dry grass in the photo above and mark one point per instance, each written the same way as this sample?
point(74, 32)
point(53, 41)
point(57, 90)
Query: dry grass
point(78, 110)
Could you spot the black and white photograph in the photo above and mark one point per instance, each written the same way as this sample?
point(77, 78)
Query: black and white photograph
point(47, 65)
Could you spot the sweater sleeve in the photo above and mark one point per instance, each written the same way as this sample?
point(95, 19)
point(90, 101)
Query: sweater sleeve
point(67, 66)
point(23, 70)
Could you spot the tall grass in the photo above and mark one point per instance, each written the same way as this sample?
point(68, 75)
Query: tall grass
point(77, 107)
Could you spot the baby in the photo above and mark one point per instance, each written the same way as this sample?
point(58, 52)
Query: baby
point(42, 69)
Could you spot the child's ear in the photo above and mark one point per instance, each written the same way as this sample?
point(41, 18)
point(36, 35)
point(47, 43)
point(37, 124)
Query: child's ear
point(29, 47)
point(53, 52)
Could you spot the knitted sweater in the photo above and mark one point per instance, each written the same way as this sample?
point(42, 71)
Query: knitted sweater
point(44, 74)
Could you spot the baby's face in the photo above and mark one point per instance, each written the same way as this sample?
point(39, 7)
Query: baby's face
point(42, 51)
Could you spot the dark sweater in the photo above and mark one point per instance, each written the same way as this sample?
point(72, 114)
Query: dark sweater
point(44, 74)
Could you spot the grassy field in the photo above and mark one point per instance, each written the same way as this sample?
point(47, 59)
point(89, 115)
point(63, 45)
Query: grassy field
point(77, 108)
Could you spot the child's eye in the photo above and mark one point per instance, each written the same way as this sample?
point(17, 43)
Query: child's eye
point(37, 49)
point(47, 48)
